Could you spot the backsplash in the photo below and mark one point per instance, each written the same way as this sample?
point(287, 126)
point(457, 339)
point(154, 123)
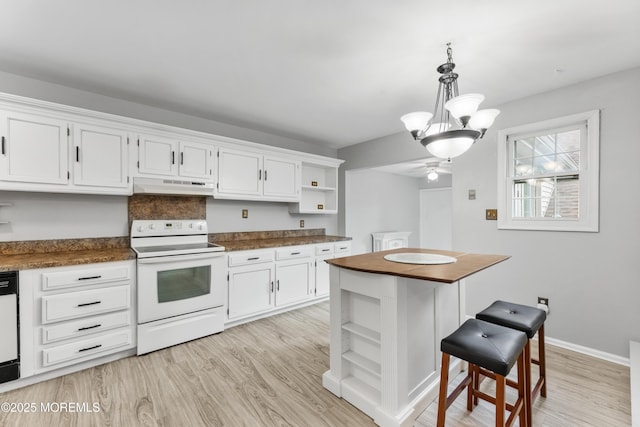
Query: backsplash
point(149, 206)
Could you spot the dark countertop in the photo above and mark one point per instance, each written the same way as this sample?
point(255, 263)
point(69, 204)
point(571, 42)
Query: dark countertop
point(33, 254)
point(466, 264)
point(28, 261)
point(242, 245)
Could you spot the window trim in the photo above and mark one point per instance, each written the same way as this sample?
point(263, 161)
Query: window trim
point(589, 176)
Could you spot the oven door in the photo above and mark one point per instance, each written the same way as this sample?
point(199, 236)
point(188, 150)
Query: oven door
point(174, 285)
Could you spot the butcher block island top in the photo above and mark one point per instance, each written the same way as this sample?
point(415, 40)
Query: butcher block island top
point(466, 264)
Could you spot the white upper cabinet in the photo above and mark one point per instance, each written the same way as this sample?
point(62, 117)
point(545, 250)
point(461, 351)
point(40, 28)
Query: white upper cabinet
point(34, 149)
point(239, 173)
point(196, 160)
point(281, 178)
point(247, 175)
point(47, 147)
point(157, 155)
point(162, 156)
point(41, 153)
point(100, 157)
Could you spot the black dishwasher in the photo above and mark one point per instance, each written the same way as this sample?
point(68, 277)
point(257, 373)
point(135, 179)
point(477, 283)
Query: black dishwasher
point(9, 336)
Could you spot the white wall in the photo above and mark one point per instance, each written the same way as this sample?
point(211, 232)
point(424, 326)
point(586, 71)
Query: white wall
point(591, 279)
point(379, 201)
point(37, 216)
point(41, 216)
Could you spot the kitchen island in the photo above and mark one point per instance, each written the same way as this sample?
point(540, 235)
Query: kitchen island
point(386, 322)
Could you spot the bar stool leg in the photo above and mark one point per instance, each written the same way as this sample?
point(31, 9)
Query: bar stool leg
point(501, 405)
point(528, 401)
point(525, 414)
point(444, 382)
point(542, 361)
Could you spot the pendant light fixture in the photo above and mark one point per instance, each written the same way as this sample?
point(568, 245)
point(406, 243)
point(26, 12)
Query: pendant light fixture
point(457, 123)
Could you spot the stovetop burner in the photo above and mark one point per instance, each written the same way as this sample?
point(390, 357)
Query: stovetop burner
point(155, 238)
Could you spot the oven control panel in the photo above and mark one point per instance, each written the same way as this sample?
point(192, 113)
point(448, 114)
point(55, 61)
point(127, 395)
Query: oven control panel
point(141, 228)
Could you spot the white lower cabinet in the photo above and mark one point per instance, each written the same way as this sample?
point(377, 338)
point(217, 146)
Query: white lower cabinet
point(250, 289)
point(267, 281)
point(294, 274)
point(75, 314)
point(324, 252)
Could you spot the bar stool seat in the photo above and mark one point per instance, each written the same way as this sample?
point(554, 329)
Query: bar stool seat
point(494, 348)
point(529, 320)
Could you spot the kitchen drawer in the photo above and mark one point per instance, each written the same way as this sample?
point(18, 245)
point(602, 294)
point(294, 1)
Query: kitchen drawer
point(248, 258)
point(93, 276)
point(87, 347)
point(293, 252)
point(79, 328)
point(342, 247)
point(72, 305)
point(324, 249)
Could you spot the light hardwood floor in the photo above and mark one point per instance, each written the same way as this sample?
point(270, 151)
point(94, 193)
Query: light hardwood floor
point(268, 373)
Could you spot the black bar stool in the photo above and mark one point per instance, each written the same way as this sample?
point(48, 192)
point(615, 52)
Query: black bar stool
point(529, 320)
point(493, 348)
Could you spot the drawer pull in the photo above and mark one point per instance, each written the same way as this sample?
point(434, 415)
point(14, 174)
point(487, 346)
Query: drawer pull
point(253, 258)
point(89, 348)
point(89, 327)
point(89, 277)
point(326, 250)
point(295, 253)
point(89, 303)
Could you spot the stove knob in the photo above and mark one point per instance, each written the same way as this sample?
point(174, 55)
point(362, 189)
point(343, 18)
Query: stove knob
point(152, 226)
point(141, 228)
point(201, 226)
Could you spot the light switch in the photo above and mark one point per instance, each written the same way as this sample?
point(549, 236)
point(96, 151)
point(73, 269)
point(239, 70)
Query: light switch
point(472, 194)
point(491, 214)
point(245, 213)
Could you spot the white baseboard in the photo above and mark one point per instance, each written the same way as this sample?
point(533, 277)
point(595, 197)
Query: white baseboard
point(588, 351)
point(584, 350)
point(634, 350)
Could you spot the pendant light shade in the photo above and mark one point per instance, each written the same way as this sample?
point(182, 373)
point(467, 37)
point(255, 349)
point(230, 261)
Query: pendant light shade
point(457, 121)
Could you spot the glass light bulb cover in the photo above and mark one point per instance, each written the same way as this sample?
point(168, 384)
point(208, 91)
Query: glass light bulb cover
point(483, 119)
point(417, 120)
point(449, 148)
point(432, 175)
point(464, 105)
point(437, 128)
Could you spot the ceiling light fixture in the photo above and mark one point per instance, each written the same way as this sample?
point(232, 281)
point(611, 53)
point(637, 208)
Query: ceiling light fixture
point(457, 124)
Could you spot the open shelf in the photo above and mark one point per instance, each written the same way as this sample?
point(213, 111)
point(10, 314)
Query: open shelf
point(318, 191)
point(362, 362)
point(361, 331)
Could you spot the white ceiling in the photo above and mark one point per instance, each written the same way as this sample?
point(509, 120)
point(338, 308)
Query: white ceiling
point(329, 72)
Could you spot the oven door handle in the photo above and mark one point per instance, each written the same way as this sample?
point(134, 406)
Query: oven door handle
point(173, 258)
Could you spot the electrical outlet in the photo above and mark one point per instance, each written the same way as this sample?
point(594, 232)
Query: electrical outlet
point(491, 214)
point(302, 223)
point(245, 213)
point(543, 300)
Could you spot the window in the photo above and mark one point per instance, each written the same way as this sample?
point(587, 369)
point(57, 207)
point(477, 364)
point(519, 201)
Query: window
point(548, 174)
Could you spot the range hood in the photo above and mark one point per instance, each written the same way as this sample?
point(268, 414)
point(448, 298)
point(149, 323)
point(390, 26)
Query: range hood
point(172, 186)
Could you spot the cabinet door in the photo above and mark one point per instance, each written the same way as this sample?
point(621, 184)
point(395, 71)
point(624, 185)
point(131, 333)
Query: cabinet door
point(250, 290)
point(292, 282)
point(100, 157)
point(322, 275)
point(281, 178)
point(195, 160)
point(34, 149)
point(157, 155)
point(239, 172)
